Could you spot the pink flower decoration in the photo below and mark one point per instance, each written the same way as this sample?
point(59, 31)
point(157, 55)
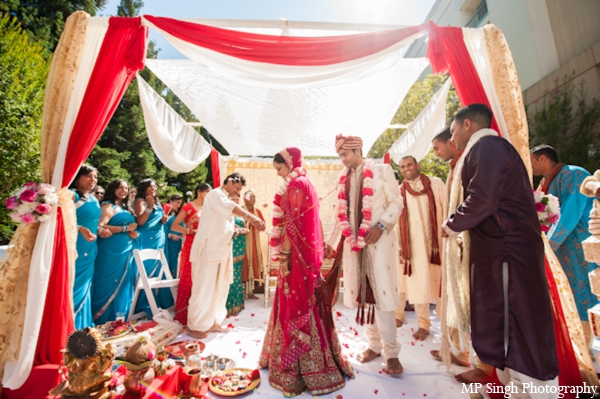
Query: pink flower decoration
point(553, 219)
point(545, 228)
point(28, 218)
point(14, 216)
point(30, 184)
point(12, 203)
point(28, 196)
point(367, 191)
point(44, 189)
point(151, 354)
point(367, 172)
point(540, 207)
point(43, 209)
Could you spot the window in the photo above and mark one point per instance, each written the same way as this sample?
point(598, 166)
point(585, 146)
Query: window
point(479, 15)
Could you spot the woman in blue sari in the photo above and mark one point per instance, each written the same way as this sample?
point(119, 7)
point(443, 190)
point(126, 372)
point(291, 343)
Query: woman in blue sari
point(115, 273)
point(174, 238)
point(87, 210)
point(150, 218)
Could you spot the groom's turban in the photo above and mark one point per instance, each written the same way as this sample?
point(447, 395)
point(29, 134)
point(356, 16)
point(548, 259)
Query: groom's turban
point(347, 143)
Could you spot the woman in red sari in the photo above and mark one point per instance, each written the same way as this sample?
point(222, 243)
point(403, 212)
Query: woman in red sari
point(301, 349)
point(190, 215)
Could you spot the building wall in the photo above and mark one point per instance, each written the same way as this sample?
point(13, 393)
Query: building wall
point(548, 39)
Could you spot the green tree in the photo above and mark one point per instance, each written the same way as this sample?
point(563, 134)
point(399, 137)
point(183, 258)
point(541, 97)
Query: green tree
point(417, 98)
point(124, 150)
point(569, 124)
point(44, 20)
point(23, 71)
point(129, 8)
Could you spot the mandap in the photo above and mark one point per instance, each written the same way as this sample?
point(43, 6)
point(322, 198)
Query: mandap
point(257, 86)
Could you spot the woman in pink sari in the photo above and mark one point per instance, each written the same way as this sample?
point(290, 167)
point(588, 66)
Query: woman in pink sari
point(301, 348)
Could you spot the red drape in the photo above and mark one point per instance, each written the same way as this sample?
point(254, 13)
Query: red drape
point(57, 321)
point(122, 53)
point(448, 53)
point(386, 158)
point(567, 362)
point(215, 168)
point(283, 50)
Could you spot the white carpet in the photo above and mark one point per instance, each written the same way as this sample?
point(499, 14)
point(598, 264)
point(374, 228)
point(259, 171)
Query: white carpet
point(422, 377)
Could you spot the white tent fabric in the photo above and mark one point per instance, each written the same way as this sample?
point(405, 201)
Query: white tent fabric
point(416, 139)
point(16, 372)
point(265, 75)
point(252, 121)
point(475, 43)
point(176, 144)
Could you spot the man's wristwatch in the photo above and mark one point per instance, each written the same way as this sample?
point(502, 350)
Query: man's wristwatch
point(382, 226)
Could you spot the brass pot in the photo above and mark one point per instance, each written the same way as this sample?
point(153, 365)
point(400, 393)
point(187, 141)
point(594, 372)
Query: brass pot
point(191, 350)
point(135, 382)
point(193, 381)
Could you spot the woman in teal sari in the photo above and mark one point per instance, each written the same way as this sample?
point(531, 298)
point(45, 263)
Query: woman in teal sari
point(174, 238)
point(150, 218)
point(235, 299)
point(87, 210)
point(115, 273)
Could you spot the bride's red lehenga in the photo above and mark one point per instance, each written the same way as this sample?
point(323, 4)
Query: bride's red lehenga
point(301, 351)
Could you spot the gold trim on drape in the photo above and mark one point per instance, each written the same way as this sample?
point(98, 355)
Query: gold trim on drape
point(14, 266)
point(508, 89)
point(59, 87)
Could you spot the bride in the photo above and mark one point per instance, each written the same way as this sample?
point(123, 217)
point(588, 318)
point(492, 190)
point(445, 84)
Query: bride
point(301, 349)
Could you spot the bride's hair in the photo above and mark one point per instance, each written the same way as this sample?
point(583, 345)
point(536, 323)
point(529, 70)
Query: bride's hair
point(278, 158)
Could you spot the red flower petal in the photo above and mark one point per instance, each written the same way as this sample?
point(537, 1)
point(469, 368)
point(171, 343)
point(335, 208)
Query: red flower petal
point(338, 314)
point(376, 391)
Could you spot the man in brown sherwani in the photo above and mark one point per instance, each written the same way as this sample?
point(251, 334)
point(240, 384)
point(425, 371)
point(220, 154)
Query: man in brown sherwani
point(511, 314)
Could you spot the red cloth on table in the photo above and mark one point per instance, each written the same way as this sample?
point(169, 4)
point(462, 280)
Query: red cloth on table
point(283, 50)
point(166, 386)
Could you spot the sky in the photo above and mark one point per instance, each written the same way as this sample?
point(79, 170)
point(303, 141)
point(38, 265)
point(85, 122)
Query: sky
point(387, 12)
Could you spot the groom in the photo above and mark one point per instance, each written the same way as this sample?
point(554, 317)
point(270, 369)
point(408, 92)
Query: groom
point(369, 207)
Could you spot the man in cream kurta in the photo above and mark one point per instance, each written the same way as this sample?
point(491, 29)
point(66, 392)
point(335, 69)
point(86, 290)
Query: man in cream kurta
point(419, 276)
point(382, 247)
point(211, 258)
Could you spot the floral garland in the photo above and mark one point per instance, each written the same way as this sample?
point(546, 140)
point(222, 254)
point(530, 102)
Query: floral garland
point(32, 203)
point(548, 209)
point(356, 243)
point(275, 243)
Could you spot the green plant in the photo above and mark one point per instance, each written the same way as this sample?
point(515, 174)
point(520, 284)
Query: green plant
point(23, 71)
point(570, 124)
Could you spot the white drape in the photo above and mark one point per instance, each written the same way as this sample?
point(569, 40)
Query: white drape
point(273, 76)
point(416, 139)
point(17, 372)
point(475, 42)
point(174, 142)
point(252, 121)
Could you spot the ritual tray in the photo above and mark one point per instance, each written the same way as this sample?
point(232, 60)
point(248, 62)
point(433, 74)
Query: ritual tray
point(216, 387)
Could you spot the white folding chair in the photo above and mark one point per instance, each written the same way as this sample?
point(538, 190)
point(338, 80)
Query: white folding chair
point(148, 284)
